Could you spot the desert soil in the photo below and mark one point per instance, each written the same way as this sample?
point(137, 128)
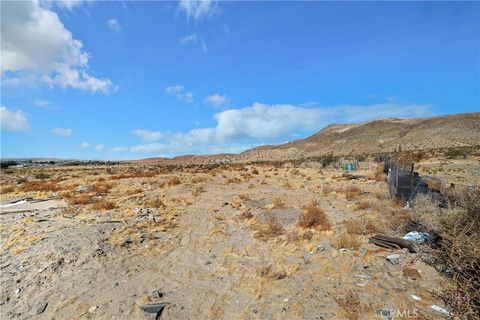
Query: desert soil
point(199, 240)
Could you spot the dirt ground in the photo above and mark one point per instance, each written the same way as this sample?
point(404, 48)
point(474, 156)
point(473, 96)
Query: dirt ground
point(221, 243)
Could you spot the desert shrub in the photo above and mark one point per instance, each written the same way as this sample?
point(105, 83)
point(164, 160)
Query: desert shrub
point(329, 159)
point(270, 230)
point(457, 250)
point(4, 164)
point(42, 176)
point(278, 203)
point(350, 304)
point(40, 186)
point(364, 204)
point(78, 199)
point(101, 187)
point(453, 153)
point(326, 189)
point(347, 241)
point(173, 181)
point(156, 203)
point(233, 180)
point(104, 205)
point(351, 192)
point(7, 189)
point(314, 216)
point(272, 273)
point(255, 171)
point(361, 226)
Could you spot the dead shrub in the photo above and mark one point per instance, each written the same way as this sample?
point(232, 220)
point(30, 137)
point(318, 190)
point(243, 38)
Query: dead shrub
point(42, 176)
point(278, 203)
point(40, 186)
point(326, 189)
point(101, 187)
point(104, 205)
point(198, 180)
point(272, 273)
point(233, 180)
point(347, 241)
point(156, 203)
point(270, 230)
point(457, 250)
point(364, 204)
point(246, 215)
point(255, 171)
point(173, 181)
point(7, 189)
point(351, 192)
point(361, 226)
point(82, 199)
point(350, 304)
point(378, 173)
point(314, 216)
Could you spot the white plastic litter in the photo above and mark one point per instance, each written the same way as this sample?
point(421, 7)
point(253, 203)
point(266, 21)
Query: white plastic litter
point(417, 237)
point(441, 310)
point(13, 204)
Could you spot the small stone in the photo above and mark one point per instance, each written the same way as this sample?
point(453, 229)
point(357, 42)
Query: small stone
point(18, 290)
point(154, 307)
point(39, 308)
point(92, 309)
point(82, 188)
point(156, 294)
point(394, 259)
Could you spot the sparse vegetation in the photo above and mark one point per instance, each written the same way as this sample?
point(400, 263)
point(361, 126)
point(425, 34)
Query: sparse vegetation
point(314, 216)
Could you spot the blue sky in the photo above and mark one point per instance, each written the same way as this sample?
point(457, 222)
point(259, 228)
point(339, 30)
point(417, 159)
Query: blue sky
point(127, 80)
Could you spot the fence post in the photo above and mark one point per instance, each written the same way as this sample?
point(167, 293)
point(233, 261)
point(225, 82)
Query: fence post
point(411, 181)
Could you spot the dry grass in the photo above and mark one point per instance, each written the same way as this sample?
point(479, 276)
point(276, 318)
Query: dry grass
point(361, 226)
point(7, 189)
point(101, 187)
point(378, 174)
point(104, 205)
point(82, 199)
point(270, 230)
point(314, 216)
point(272, 273)
point(51, 186)
point(326, 189)
point(174, 181)
point(278, 203)
point(364, 204)
point(156, 203)
point(351, 192)
point(350, 304)
point(347, 241)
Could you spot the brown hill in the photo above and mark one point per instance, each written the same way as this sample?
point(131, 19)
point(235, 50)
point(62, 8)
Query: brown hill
point(377, 136)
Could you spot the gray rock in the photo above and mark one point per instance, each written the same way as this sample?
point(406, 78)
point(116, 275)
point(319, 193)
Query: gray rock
point(394, 259)
point(39, 308)
point(154, 307)
point(156, 294)
point(82, 188)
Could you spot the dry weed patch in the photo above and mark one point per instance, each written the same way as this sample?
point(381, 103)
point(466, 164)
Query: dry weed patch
point(361, 226)
point(350, 304)
point(347, 241)
point(40, 186)
point(351, 192)
point(104, 205)
point(314, 216)
point(173, 181)
point(270, 230)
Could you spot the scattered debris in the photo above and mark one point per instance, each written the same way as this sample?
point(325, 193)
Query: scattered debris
point(392, 242)
point(418, 237)
point(414, 297)
point(156, 294)
point(386, 314)
point(39, 308)
point(92, 309)
point(364, 280)
point(394, 259)
point(441, 310)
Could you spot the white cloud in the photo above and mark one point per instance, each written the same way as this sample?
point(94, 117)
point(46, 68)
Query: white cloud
point(194, 39)
point(148, 135)
point(217, 100)
point(113, 24)
point(180, 93)
point(36, 47)
point(191, 38)
point(119, 149)
point(85, 145)
point(68, 4)
point(262, 123)
point(197, 9)
point(13, 121)
point(41, 103)
point(99, 147)
point(64, 132)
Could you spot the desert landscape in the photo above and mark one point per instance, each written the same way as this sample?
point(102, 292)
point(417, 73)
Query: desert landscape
point(286, 239)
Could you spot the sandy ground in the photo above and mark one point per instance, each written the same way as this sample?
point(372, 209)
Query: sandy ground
point(199, 249)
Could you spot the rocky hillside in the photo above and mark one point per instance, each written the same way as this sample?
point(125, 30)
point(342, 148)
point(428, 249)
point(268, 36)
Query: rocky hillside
point(377, 136)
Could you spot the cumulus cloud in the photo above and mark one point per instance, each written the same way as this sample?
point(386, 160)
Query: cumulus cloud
point(262, 123)
point(36, 47)
point(197, 9)
point(68, 4)
point(85, 145)
point(119, 149)
point(180, 93)
point(64, 132)
point(99, 147)
point(114, 25)
point(15, 121)
point(217, 100)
